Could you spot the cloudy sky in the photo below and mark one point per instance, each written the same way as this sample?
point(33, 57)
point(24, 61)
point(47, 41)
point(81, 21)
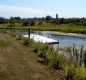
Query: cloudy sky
point(41, 8)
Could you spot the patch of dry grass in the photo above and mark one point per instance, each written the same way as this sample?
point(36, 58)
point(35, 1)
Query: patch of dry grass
point(18, 62)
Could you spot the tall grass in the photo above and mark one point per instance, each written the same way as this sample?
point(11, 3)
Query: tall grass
point(50, 27)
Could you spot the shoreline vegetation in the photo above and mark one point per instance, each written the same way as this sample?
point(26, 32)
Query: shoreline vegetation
point(63, 28)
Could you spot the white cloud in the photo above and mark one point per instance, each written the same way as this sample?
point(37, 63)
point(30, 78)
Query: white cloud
point(8, 11)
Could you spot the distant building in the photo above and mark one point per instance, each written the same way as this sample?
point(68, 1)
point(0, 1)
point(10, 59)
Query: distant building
point(56, 16)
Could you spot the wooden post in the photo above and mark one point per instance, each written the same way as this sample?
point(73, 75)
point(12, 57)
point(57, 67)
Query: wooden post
point(29, 33)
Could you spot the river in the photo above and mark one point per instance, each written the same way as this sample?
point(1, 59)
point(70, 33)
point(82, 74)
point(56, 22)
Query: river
point(63, 39)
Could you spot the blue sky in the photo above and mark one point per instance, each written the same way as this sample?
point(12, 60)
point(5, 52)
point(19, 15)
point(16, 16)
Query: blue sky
point(41, 8)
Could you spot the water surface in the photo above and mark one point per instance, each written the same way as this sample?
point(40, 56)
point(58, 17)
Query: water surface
point(63, 39)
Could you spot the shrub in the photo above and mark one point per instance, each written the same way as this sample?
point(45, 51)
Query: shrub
point(40, 23)
point(25, 23)
point(70, 72)
point(26, 41)
point(57, 61)
point(19, 37)
point(13, 34)
point(80, 73)
point(32, 23)
point(41, 49)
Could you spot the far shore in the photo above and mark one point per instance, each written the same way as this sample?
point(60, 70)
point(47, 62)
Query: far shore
point(66, 34)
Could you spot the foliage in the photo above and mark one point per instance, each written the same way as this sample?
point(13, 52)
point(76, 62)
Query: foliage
point(25, 23)
point(70, 72)
point(73, 21)
point(56, 60)
point(48, 17)
point(25, 41)
point(32, 23)
point(19, 37)
point(13, 34)
point(80, 73)
point(40, 23)
point(85, 59)
point(2, 20)
point(3, 43)
point(41, 49)
point(4, 75)
point(12, 22)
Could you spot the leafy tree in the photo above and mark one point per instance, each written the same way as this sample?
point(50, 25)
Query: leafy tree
point(62, 20)
point(2, 20)
point(12, 21)
point(48, 17)
point(56, 21)
point(17, 18)
point(32, 23)
point(25, 23)
point(40, 22)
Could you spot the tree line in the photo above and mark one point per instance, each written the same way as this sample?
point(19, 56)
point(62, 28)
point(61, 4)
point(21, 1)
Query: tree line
point(48, 18)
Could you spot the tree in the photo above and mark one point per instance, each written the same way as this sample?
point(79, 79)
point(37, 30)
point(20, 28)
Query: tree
point(12, 21)
point(61, 20)
point(2, 20)
point(48, 17)
point(32, 23)
point(25, 23)
point(40, 22)
point(17, 18)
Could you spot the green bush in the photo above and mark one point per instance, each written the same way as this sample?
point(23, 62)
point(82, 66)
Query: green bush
point(13, 34)
point(57, 61)
point(19, 37)
point(26, 41)
point(70, 72)
point(41, 49)
point(80, 73)
point(75, 73)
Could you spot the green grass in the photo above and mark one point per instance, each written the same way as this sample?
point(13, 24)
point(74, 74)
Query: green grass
point(3, 43)
point(61, 28)
point(68, 28)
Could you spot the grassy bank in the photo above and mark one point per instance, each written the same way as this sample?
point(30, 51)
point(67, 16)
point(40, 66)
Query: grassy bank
point(62, 28)
point(68, 28)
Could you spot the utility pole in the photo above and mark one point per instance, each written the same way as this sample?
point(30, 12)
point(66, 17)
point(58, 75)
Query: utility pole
point(29, 33)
